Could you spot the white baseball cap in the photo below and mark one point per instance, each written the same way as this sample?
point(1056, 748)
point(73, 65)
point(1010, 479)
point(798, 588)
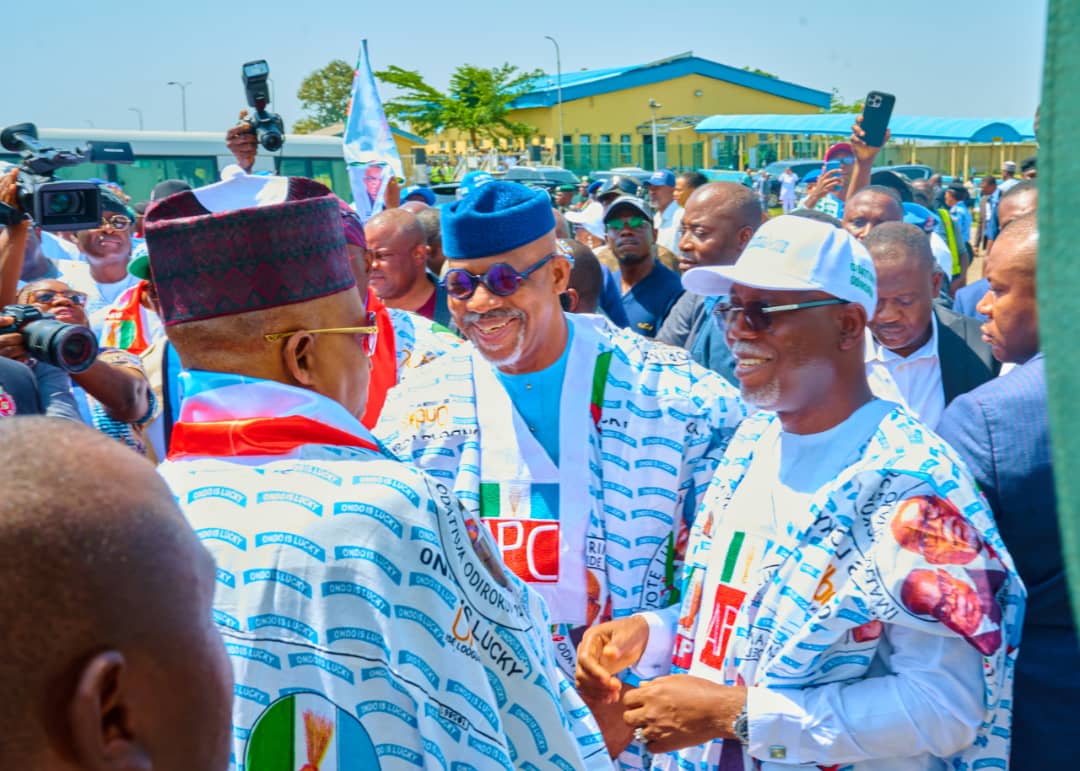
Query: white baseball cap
point(591, 218)
point(800, 254)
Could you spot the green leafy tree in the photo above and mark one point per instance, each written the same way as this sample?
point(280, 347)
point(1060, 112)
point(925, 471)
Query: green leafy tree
point(476, 103)
point(757, 71)
point(839, 105)
point(324, 94)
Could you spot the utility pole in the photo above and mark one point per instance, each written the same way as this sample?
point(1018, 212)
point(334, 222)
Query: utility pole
point(183, 100)
point(558, 70)
point(138, 112)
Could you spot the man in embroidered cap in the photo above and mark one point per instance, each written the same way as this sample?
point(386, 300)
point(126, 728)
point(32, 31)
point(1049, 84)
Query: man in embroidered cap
point(846, 600)
point(581, 447)
point(365, 612)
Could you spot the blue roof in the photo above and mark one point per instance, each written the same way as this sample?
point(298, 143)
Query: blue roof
point(578, 85)
point(902, 126)
point(406, 135)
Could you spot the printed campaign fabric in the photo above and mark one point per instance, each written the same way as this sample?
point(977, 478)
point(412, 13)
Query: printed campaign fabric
point(652, 425)
point(369, 621)
point(902, 537)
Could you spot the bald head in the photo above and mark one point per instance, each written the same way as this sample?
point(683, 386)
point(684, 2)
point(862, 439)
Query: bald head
point(107, 604)
point(719, 220)
point(871, 207)
point(1018, 201)
point(586, 278)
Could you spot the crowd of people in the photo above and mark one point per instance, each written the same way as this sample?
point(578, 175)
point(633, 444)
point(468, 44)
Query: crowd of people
point(630, 476)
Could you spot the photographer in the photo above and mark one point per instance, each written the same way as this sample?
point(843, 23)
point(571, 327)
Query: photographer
point(113, 394)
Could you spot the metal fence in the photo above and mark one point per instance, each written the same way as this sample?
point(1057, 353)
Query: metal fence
point(583, 158)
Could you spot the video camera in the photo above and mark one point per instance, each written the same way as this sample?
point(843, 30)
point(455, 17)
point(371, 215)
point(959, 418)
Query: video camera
point(56, 205)
point(268, 127)
point(71, 347)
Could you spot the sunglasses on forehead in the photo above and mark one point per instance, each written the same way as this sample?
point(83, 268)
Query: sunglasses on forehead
point(758, 315)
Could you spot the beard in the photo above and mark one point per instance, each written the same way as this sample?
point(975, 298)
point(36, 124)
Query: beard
point(505, 357)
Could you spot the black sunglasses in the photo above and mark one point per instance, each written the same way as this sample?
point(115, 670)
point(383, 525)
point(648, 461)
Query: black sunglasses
point(758, 315)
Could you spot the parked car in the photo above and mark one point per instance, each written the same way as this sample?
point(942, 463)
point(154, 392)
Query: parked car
point(801, 167)
point(909, 170)
point(727, 175)
point(541, 176)
point(636, 172)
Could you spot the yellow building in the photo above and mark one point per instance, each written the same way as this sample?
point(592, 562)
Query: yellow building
point(607, 115)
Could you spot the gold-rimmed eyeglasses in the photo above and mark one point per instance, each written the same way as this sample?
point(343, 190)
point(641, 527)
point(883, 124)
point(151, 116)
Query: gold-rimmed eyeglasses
point(369, 335)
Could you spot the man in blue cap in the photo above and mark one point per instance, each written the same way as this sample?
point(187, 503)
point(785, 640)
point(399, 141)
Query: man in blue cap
point(582, 447)
point(669, 214)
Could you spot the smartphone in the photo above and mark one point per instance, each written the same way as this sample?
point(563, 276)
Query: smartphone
point(831, 166)
point(877, 109)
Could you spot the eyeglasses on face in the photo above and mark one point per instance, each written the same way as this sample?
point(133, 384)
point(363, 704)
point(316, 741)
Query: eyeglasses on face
point(116, 222)
point(619, 223)
point(369, 333)
point(500, 279)
point(47, 296)
point(758, 315)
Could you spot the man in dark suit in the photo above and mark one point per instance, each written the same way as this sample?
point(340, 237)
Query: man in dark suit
point(922, 354)
point(1001, 431)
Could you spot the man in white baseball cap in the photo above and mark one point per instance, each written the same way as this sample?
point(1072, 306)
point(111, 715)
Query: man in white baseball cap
point(846, 599)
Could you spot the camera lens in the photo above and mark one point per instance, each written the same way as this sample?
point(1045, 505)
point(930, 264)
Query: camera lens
point(271, 141)
point(68, 346)
point(67, 202)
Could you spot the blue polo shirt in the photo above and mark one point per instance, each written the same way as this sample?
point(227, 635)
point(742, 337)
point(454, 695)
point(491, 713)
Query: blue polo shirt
point(536, 397)
point(650, 300)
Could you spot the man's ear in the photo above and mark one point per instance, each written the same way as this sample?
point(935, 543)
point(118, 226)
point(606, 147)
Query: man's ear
point(560, 274)
point(936, 282)
point(101, 717)
point(573, 300)
point(297, 356)
point(852, 321)
point(745, 234)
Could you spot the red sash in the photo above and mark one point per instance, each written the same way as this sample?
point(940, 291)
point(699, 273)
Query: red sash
point(257, 436)
point(383, 363)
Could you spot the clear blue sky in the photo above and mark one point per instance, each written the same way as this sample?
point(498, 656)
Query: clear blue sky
point(80, 61)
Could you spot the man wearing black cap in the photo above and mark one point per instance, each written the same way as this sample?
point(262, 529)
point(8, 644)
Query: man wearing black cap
point(649, 288)
point(365, 612)
point(582, 447)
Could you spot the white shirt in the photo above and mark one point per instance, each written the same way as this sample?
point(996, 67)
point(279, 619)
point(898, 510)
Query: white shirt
point(942, 254)
point(915, 379)
point(788, 180)
point(668, 225)
point(891, 719)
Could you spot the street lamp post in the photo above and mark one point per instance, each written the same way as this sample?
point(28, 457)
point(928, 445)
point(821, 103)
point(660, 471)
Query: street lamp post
point(558, 71)
point(654, 106)
point(138, 112)
point(183, 100)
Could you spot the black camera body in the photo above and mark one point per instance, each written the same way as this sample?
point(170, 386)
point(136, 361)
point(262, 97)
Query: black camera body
point(56, 206)
point(268, 126)
point(68, 346)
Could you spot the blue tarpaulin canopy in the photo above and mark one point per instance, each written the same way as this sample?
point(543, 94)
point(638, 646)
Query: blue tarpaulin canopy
point(902, 126)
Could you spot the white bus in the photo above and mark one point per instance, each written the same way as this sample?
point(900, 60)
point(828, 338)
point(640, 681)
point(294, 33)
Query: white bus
point(196, 157)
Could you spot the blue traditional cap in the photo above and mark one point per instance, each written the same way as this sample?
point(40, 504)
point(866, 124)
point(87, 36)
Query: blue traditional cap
point(496, 218)
point(473, 180)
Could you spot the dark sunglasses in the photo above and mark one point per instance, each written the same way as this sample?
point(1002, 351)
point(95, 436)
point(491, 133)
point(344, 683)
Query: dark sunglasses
point(46, 296)
point(758, 315)
point(500, 279)
point(625, 222)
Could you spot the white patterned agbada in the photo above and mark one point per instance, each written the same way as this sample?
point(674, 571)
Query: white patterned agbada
point(369, 621)
point(902, 538)
point(603, 534)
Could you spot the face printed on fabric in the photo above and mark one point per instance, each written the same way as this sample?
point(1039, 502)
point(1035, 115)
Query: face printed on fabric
point(906, 291)
point(373, 175)
point(949, 599)
point(1010, 307)
point(514, 332)
point(934, 528)
point(866, 210)
point(631, 244)
point(57, 298)
point(105, 243)
point(779, 368)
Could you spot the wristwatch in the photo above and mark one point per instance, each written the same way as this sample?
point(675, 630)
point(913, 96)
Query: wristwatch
point(741, 727)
